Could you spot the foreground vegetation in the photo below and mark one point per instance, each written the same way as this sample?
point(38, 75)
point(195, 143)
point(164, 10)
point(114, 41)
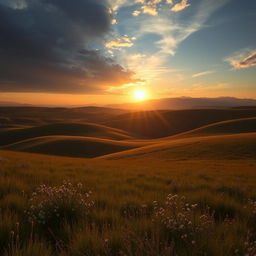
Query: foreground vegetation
point(198, 207)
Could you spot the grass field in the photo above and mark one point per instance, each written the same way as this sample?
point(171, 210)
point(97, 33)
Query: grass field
point(121, 220)
point(190, 194)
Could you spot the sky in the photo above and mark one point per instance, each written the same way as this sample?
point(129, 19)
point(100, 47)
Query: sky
point(62, 52)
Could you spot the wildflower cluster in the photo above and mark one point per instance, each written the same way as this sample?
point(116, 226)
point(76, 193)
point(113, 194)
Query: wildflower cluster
point(52, 205)
point(181, 219)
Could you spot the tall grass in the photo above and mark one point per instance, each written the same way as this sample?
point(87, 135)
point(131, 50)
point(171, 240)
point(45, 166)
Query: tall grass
point(176, 209)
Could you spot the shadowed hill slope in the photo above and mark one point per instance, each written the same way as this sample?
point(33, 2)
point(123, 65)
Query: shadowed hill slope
point(157, 124)
point(237, 146)
point(73, 146)
point(243, 125)
point(70, 129)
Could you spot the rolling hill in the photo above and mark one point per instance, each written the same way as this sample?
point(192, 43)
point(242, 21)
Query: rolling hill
point(71, 146)
point(235, 146)
point(243, 125)
point(69, 129)
point(157, 124)
point(150, 135)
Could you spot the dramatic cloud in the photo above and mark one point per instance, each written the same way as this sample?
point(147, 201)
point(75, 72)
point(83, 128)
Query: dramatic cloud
point(180, 6)
point(47, 46)
point(203, 73)
point(244, 59)
point(159, 37)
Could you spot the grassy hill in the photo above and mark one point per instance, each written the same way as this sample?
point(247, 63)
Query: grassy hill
point(236, 146)
point(95, 140)
point(201, 177)
point(73, 146)
point(243, 125)
point(69, 129)
point(157, 124)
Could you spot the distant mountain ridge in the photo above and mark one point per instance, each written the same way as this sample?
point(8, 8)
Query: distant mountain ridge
point(187, 103)
point(155, 104)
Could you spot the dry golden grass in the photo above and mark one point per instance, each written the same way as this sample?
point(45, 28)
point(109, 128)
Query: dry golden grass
point(120, 223)
point(191, 194)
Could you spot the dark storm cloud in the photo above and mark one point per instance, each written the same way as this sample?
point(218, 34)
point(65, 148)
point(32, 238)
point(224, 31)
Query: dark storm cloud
point(45, 46)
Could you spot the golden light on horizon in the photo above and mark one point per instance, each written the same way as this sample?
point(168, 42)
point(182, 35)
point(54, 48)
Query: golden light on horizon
point(140, 95)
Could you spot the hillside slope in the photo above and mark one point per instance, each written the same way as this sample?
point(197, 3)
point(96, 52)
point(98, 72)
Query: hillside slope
point(68, 129)
point(157, 124)
point(243, 125)
point(237, 146)
point(73, 146)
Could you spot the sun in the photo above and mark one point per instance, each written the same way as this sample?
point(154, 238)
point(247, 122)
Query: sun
point(140, 95)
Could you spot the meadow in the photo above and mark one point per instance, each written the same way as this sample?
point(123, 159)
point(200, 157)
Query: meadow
point(124, 219)
point(191, 193)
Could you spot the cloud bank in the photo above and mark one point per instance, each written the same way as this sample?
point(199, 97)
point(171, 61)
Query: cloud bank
point(50, 46)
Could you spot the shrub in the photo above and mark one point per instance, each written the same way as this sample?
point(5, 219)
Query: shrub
point(53, 206)
point(183, 225)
